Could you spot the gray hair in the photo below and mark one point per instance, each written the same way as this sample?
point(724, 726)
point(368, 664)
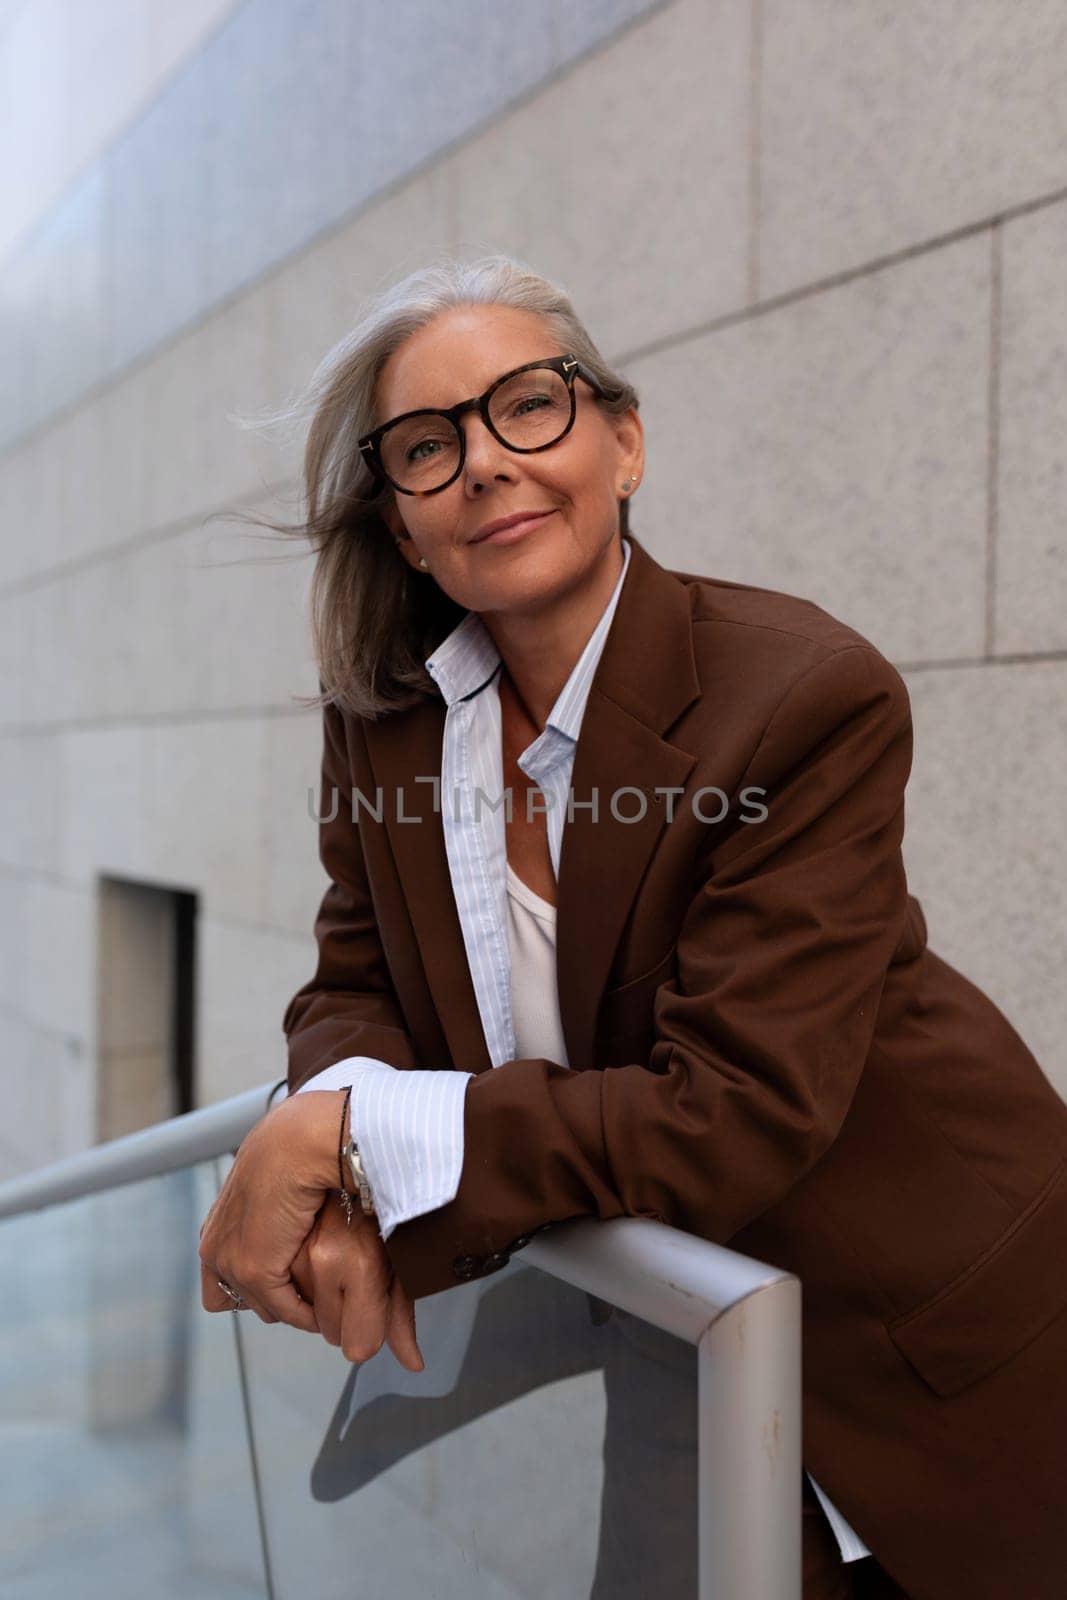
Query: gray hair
point(374, 621)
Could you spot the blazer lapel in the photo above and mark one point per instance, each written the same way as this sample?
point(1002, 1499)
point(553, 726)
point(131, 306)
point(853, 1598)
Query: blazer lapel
point(645, 679)
point(403, 748)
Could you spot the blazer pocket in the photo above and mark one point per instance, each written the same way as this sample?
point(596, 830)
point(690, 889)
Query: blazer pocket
point(994, 1307)
point(625, 1031)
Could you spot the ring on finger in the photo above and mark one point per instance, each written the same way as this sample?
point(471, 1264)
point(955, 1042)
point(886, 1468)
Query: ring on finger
point(238, 1299)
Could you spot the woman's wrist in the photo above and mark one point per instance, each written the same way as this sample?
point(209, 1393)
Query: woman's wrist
point(322, 1117)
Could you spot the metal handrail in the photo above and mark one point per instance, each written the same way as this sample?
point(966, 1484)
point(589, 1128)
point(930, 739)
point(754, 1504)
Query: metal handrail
point(743, 1315)
point(165, 1147)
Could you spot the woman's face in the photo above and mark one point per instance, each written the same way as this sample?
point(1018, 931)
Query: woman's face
point(579, 480)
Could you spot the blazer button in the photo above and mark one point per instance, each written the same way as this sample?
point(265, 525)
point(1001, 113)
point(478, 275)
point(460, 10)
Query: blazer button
point(523, 1239)
point(498, 1259)
point(466, 1266)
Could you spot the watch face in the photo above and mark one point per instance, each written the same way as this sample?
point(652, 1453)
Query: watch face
point(359, 1177)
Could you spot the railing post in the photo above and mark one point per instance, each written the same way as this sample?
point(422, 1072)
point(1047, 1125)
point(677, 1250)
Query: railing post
point(749, 1434)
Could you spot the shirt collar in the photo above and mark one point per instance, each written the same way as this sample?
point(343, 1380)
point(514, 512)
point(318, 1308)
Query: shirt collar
point(467, 660)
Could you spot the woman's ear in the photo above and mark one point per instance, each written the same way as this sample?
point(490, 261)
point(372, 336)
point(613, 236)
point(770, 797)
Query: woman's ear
point(406, 547)
point(404, 542)
point(630, 433)
point(391, 518)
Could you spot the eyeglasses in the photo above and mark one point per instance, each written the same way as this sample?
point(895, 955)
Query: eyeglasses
point(528, 409)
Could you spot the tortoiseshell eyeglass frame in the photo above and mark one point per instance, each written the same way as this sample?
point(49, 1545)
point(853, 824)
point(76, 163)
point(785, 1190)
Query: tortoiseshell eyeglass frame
point(568, 367)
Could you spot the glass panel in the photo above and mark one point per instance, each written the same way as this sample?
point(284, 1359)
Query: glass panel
point(125, 1465)
point(490, 1473)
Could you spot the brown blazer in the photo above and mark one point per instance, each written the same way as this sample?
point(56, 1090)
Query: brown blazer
point(764, 1052)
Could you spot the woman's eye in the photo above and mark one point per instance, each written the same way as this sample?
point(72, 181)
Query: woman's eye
point(535, 398)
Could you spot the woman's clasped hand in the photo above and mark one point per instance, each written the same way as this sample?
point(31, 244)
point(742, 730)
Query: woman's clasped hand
point(278, 1236)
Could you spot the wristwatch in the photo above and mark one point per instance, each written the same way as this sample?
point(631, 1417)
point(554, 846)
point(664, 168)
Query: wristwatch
point(351, 1157)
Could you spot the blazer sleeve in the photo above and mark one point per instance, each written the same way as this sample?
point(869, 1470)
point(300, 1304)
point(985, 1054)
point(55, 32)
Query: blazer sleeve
point(348, 1007)
point(760, 1039)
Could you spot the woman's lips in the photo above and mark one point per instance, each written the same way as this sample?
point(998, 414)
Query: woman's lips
point(518, 530)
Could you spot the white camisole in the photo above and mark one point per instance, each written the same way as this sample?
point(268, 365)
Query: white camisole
point(534, 994)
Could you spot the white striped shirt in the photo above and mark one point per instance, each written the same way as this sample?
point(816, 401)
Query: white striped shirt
point(409, 1125)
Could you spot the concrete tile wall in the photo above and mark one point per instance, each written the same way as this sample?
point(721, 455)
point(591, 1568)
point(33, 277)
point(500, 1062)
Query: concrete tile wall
point(50, 1083)
point(836, 447)
point(985, 810)
point(291, 115)
point(13, 891)
point(242, 970)
point(293, 881)
point(628, 177)
point(57, 980)
point(33, 805)
point(1028, 610)
point(71, 77)
point(159, 447)
point(844, 396)
point(882, 128)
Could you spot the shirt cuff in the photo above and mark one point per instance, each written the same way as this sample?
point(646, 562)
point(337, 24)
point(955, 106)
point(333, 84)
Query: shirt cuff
point(409, 1129)
point(343, 1073)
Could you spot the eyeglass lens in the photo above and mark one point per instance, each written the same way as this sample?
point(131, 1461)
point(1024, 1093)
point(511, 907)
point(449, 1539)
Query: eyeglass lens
point(531, 409)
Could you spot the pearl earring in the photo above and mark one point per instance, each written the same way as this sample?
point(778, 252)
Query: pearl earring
point(422, 559)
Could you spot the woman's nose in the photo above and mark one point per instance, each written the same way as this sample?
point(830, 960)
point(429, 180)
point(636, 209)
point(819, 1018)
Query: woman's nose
point(484, 455)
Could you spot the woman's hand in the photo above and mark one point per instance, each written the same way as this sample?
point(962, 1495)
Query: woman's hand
point(344, 1271)
point(267, 1207)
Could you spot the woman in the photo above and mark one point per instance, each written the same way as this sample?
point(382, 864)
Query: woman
point(793, 1072)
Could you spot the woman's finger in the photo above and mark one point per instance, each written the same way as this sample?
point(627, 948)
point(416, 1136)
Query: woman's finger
point(272, 1298)
point(251, 1254)
point(267, 1206)
point(302, 1275)
point(401, 1334)
point(327, 1273)
point(278, 1301)
point(285, 1303)
point(320, 1266)
point(365, 1297)
point(214, 1298)
point(275, 1302)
